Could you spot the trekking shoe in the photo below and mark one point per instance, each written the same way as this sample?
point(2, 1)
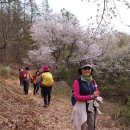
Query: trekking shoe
point(45, 106)
point(48, 104)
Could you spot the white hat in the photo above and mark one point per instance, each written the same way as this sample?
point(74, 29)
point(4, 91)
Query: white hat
point(86, 65)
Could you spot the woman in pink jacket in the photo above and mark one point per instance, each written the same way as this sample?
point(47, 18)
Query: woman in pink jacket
point(85, 91)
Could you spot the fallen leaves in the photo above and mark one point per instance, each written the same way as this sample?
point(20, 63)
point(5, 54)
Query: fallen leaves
point(20, 112)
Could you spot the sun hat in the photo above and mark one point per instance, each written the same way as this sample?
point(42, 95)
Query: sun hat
point(45, 68)
point(86, 65)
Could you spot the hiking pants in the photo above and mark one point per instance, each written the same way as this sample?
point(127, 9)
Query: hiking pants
point(20, 81)
point(36, 88)
point(89, 125)
point(46, 94)
point(25, 86)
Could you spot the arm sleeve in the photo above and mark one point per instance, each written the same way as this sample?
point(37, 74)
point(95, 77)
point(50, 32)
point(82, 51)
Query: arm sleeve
point(30, 75)
point(77, 93)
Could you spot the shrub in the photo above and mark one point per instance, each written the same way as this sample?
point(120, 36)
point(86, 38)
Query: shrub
point(105, 91)
point(5, 71)
point(64, 74)
point(124, 114)
point(62, 89)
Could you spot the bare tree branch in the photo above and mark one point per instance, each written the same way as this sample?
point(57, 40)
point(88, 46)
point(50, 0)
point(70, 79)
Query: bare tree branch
point(119, 14)
point(104, 8)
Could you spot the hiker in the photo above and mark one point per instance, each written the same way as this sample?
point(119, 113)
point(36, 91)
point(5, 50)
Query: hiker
point(24, 80)
point(29, 74)
point(38, 82)
point(46, 85)
point(26, 76)
point(85, 93)
point(35, 85)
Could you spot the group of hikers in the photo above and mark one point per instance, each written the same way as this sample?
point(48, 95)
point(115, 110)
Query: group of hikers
point(42, 79)
point(85, 96)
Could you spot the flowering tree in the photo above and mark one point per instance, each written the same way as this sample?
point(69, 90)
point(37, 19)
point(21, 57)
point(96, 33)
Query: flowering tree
point(63, 39)
point(62, 44)
point(114, 59)
point(39, 56)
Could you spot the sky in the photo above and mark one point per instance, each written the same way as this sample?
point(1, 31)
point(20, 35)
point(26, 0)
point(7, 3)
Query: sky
point(84, 10)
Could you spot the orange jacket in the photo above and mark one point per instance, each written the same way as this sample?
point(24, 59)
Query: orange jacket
point(35, 79)
point(30, 75)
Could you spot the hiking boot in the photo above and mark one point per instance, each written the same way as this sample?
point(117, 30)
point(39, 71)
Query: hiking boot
point(45, 106)
point(48, 103)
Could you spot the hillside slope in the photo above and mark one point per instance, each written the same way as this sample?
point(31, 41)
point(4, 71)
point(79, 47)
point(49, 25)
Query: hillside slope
point(20, 112)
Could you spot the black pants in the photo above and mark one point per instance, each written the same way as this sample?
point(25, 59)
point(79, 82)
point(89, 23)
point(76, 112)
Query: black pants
point(20, 81)
point(46, 94)
point(25, 86)
point(36, 88)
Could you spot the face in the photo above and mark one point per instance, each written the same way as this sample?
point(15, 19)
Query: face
point(86, 71)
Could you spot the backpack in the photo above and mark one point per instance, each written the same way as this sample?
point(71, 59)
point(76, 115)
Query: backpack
point(47, 79)
point(23, 75)
point(73, 99)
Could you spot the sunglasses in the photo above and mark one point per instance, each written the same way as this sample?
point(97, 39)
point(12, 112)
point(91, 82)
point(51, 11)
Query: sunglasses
point(86, 68)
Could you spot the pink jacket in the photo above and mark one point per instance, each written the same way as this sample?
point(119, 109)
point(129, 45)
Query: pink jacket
point(77, 92)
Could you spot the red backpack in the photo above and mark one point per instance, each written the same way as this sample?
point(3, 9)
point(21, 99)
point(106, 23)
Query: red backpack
point(23, 75)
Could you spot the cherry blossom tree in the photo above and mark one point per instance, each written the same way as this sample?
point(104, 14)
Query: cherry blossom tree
point(64, 39)
point(62, 44)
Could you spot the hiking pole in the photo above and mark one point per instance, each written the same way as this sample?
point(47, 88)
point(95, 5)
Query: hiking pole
point(95, 118)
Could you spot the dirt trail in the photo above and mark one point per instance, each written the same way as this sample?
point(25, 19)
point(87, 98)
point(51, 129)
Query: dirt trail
point(20, 112)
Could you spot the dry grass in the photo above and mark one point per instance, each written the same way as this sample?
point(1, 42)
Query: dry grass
point(20, 112)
